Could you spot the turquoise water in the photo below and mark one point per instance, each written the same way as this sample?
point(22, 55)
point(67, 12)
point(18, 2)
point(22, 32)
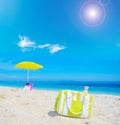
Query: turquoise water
point(99, 87)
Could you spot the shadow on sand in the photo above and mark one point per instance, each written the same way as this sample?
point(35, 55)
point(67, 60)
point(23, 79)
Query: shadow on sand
point(53, 113)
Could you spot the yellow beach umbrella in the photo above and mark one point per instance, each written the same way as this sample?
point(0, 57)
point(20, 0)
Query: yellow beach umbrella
point(28, 66)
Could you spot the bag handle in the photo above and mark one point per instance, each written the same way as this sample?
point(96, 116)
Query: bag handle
point(76, 113)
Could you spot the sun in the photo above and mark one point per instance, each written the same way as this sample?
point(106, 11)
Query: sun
point(92, 13)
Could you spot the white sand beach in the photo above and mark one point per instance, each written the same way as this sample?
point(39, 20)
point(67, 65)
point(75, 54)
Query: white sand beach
point(37, 108)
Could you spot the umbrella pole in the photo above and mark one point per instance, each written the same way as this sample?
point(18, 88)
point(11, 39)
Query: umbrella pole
point(28, 76)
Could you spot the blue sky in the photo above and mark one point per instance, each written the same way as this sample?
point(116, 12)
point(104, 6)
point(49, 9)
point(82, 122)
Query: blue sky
point(50, 32)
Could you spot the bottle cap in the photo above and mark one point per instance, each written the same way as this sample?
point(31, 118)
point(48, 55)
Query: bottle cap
point(86, 87)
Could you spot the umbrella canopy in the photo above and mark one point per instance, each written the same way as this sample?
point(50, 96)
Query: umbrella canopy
point(28, 66)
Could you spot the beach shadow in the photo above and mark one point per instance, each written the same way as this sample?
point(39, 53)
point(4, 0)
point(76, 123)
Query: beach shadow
point(53, 113)
point(14, 90)
point(2, 96)
point(86, 122)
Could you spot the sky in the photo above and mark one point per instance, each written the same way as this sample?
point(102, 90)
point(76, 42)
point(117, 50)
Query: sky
point(51, 33)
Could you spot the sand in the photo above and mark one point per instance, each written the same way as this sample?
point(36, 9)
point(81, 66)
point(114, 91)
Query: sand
point(37, 108)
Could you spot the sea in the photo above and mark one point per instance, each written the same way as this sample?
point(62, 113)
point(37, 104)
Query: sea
point(95, 87)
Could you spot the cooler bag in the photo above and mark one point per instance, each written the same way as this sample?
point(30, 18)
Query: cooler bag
point(73, 104)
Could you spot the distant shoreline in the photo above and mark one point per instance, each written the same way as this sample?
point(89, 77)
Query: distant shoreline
point(96, 87)
point(58, 89)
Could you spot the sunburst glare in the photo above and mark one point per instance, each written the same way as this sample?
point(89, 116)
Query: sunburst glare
point(92, 13)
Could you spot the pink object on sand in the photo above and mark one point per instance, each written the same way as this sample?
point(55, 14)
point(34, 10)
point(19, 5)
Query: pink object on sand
point(30, 86)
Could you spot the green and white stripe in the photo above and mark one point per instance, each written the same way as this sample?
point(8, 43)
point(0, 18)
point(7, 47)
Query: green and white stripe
point(67, 104)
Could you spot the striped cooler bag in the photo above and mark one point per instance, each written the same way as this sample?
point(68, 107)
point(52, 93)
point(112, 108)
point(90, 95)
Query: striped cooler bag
point(73, 104)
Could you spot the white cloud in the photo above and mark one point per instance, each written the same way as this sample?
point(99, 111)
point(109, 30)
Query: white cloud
point(25, 42)
point(52, 48)
point(27, 45)
point(43, 46)
point(55, 48)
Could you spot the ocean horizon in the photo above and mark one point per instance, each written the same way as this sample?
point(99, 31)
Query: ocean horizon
point(95, 87)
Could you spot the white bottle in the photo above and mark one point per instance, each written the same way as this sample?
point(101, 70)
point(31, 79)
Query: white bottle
point(86, 90)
